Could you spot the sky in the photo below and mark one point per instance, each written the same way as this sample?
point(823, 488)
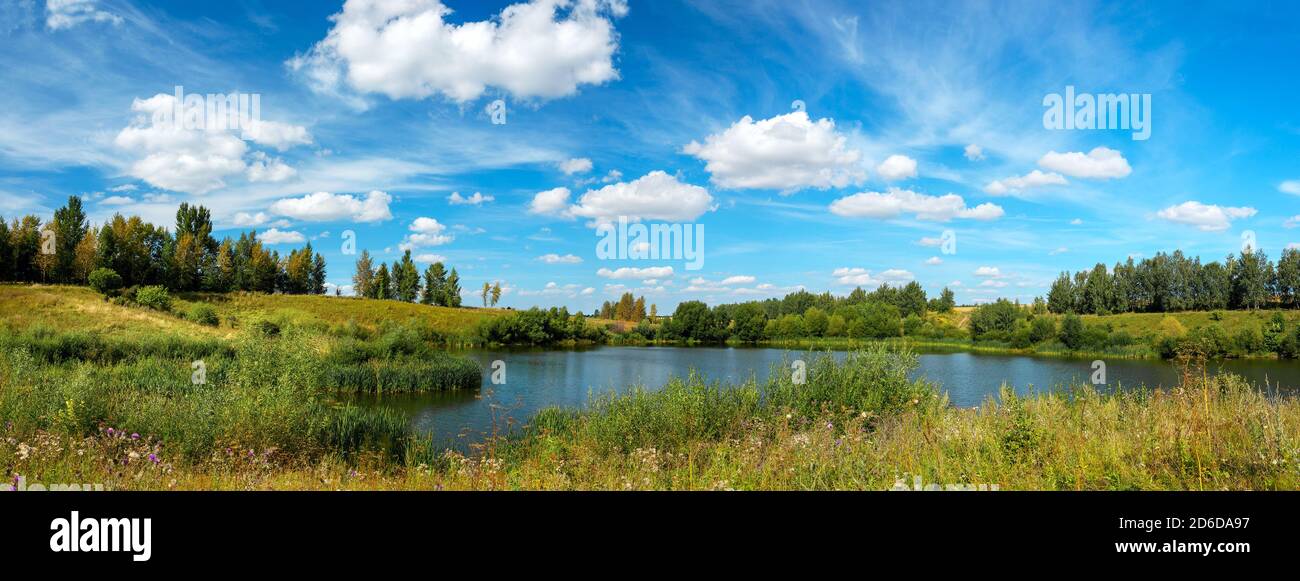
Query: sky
point(820, 145)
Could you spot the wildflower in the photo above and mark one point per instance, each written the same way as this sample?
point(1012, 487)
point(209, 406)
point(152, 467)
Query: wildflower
point(110, 431)
point(830, 426)
point(135, 436)
point(153, 458)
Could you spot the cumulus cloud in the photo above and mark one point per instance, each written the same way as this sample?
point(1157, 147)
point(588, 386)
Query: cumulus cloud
point(553, 202)
point(326, 207)
point(428, 258)
point(788, 153)
point(1102, 163)
point(1033, 179)
point(274, 236)
point(63, 14)
point(116, 201)
point(575, 165)
point(974, 152)
point(654, 196)
point(456, 199)
point(897, 202)
point(897, 167)
point(407, 50)
point(558, 259)
point(739, 279)
point(863, 277)
point(1205, 217)
point(636, 273)
point(425, 232)
point(988, 271)
point(197, 160)
point(1289, 187)
point(934, 261)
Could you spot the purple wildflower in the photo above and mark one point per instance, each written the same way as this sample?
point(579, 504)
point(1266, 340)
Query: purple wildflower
point(153, 458)
point(135, 436)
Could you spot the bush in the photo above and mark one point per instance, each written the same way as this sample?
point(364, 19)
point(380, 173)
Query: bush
point(105, 281)
point(154, 297)
point(203, 314)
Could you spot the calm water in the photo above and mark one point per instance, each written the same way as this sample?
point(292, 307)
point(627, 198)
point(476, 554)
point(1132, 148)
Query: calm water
point(536, 379)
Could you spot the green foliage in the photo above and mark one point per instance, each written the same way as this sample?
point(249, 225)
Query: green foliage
point(995, 321)
point(203, 314)
point(155, 297)
point(105, 281)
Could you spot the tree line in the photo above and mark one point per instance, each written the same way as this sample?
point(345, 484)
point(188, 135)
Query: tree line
point(627, 308)
point(402, 282)
point(1173, 282)
point(68, 250)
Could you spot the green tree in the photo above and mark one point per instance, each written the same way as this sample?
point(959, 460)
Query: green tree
point(70, 226)
point(452, 290)
point(749, 323)
point(435, 278)
point(383, 284)
point(407, 277)
point(364, 276)
point(496, 293)
point(1060, 298)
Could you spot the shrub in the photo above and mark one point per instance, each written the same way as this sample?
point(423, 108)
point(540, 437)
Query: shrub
point(155, 297)
point(203, 314)
point(105, 281)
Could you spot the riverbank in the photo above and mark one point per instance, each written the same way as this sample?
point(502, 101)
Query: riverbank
point(859, 424)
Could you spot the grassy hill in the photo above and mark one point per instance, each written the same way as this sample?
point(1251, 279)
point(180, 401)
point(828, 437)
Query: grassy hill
point(80, 308)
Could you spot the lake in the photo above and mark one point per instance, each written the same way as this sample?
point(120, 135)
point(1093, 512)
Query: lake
point(535, 379)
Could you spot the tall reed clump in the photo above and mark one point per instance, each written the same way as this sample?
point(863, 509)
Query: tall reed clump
point(400, 360)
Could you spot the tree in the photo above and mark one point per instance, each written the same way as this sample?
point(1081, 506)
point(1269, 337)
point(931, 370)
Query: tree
point(694, 321)
point(452, 292)
point(363, 278)
point(995, 319)
point(6, 252)
point(1288, 277)
point(1250, 280)
point(434, 280)
point(911, 300)
point(105, 281)
point(69, 227)
point(1097, 291)
point(815, 321)
point(382, 283)
point(945, 303)
point(1072, 331)
point(496, 293)
point(750, 322)
point(407, 279)
point(487, 290)
point(1060, 299)
point(654, 311)
point(316, 282)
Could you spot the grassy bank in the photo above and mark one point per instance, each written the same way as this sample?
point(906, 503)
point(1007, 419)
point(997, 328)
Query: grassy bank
point(858, 424)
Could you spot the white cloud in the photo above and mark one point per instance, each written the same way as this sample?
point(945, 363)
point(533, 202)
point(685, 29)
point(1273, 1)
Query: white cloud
point(934, 261)
point(428, 258)
point(863, 277)
point(1102, 163)
point(974, 152)
point(990, 283)
point(654, 196)
point(1059, 250)
point(116, 201)
point(124, 188)
point(636, 273)
point(1292, 222)
point(247, 219)
point(406, 49)
point(61, 14)
point(897, 167)
point(456, 199)
point(788, 152)
point(193, 160)
point(988, 271)
point(281, 136)
point(325, 207)
point(896, 202)
point(736, 280)
point(1289, 187)
point(929, 242)
point(274, 236)
point(557, 259)
point(264, 168)
point(587, 291)
point(575, 165)
point(1076, 222)
point(1205, 217)
point(553, 202)
point(1033, 179)
point(425, 232)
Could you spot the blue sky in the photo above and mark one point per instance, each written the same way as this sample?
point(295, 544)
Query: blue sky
point(375, 113)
